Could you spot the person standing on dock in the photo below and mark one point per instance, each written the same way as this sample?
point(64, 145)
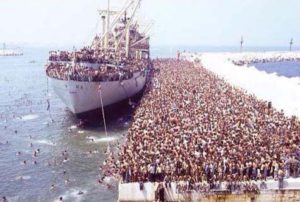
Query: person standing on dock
point(160, 193)
point(280, 179)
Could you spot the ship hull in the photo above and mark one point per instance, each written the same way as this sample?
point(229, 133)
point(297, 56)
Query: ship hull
point(81, 97)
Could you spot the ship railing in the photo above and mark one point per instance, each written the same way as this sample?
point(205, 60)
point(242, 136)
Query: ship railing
point(95, 78)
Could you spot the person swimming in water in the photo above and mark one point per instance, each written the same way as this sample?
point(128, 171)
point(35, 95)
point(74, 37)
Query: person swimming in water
point(67, 181)
point(59, 199)
point(65, 160)
point(52, 187)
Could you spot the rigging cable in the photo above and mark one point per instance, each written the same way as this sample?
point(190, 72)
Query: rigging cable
point(103, 115)
point(48, 101)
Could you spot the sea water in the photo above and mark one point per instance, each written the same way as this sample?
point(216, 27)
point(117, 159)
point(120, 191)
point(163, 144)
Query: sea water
point(288, 69)
point(24, 120)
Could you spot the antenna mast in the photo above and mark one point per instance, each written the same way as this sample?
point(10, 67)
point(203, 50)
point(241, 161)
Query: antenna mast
point(291, 44)
point(242, 42)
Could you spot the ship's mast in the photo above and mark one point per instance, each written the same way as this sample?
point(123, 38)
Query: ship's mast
point(107, 26)
point(103, 28)
point(127, 40)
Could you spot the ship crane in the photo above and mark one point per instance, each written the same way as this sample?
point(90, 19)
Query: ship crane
point(146, 37)
point(107, 26)
point(126, 32)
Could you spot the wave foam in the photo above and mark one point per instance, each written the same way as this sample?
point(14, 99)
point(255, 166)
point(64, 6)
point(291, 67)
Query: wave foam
point(26, 177)
point(73, 127)
point(103, 139)
point(73, 195)
point(44, 142)
point(29, 117)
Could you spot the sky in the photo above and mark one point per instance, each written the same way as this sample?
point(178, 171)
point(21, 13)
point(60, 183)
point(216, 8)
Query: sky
point(176, 22)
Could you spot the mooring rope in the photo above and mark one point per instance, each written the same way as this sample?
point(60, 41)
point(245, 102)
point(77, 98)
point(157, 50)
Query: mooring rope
point(48, 101)
point(102, 107)
point(103, 116)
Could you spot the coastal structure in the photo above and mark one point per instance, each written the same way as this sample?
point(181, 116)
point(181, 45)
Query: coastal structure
point(268, 193)
point(9, 52)
point(113, 68)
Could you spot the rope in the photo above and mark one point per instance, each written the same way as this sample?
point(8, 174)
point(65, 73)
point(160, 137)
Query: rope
point(48, 100)
point(103, 116)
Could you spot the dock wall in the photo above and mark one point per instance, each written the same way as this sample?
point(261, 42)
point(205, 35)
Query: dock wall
point(290, 192)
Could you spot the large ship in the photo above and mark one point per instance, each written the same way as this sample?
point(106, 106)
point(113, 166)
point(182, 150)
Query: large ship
point(113, 68)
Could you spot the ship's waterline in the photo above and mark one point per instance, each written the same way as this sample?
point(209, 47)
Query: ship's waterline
point(81, 97)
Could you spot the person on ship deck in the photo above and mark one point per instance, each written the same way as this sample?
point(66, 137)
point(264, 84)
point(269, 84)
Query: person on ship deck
point(78, 72)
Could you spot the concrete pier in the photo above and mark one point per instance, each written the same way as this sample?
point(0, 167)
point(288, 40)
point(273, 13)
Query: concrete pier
point(290, 193)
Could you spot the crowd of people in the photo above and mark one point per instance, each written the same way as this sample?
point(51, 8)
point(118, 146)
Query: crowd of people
point(192, 126)
point(89, 55)
point(102, 72)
